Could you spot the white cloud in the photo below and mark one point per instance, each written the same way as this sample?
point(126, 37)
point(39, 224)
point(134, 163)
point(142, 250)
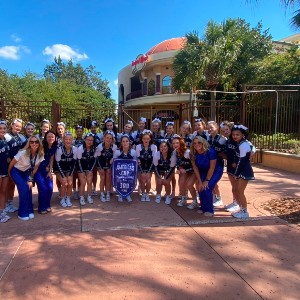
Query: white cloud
point(10, 52)
point(13, 52)
point(115, 82)
point(15, 38)
point(65, 52)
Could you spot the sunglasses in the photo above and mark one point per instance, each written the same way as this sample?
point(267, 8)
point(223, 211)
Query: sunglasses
point(34, 142)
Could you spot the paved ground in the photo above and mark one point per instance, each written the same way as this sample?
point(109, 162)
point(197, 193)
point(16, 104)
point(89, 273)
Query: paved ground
point(153, 251)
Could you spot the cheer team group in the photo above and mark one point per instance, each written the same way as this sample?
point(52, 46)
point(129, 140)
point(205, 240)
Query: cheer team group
point(193, 160)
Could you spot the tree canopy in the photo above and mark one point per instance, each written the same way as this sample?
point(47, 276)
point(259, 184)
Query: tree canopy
point(226, 56)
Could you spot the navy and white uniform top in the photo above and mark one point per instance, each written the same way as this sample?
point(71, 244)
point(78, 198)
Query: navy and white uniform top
point(219, 144)
point(184, 161)
point(136, 136)
point(25, 161)
point(164, 167)
point(104, 155)
point(158, 137)
point(86, 160)
point(4, 158)
point(15, 143)
point(242, 159)
point(145, 157)
point(130, 155)
point(65, 161)
point(77, 142)
point(204, 134)
point(188, 138)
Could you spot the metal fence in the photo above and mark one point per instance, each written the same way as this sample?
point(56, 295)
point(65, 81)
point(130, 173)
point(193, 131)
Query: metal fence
point(36, 111)
point(272, 113)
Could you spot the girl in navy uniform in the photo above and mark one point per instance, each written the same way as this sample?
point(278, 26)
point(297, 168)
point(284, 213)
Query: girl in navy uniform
point(185, 133)
point(29, 130)
point(125, 152)
point(16, 141)
point(65, 158)
point(93, 127)
point(242, 168)
point(45, 127)
point(79, 140)
point(86, 162)
point(60, 132)
point(104, 154)
point(158, 136)
point(229, 153)
point(164, 164)
point(185, 169)
point(141, 127)
point(127, 131)
point(4, 162)
point(217, 141)
point(109, 124)
point(43, 176)
point(169, 132)
point(200, 129)
point(145, 152)
point(22, 170)
point(207, 171)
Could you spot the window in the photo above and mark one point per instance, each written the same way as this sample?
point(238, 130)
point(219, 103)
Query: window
point(167, 85)
point(151, 88)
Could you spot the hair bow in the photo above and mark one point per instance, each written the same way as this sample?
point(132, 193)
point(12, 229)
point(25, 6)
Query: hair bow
point(169, 123)
point(156, 120)
point(109, 120)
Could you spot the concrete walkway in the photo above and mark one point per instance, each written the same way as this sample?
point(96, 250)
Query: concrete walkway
point(153, 251)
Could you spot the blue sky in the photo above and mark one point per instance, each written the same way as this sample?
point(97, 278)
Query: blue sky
point(110, 34)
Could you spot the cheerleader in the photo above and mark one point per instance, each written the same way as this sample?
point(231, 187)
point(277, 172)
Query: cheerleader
point(185, 131)
point(229, 153)
point(60, 132)
point(217, 141)
point(93, 127)
point(109, 124)
point(29, 130)
point(125, 152)
point(43, 176)
point(104, 154)
point(207, 171)
point(200, 129)
point(145, 152)
point(169, 132)
point(4, 162)
point(141, 127)
point(86, 162)
point(185, 169)
point(45, 127)
point(22, 170)
point(164, 164)
point(77, 142)
point(15, 141)
point(65, 158)
point(242, 168)
point(127, 131)
point(156, 132)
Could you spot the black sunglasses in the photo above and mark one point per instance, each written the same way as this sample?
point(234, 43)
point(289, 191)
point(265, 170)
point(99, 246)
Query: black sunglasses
point(34, 142)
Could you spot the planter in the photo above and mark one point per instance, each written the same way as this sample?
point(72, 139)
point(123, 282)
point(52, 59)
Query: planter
point(282, 161)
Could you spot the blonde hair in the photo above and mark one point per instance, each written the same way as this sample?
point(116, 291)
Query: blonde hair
point(203, 141)
point(40, 150)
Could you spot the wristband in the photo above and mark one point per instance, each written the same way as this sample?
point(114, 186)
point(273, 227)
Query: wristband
point(207, 179)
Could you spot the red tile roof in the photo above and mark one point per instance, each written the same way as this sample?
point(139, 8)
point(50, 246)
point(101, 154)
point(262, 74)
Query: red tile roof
point(168, 45)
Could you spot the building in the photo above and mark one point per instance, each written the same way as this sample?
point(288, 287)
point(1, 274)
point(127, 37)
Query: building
point(145, 85)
